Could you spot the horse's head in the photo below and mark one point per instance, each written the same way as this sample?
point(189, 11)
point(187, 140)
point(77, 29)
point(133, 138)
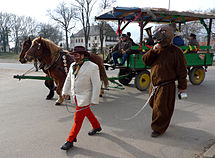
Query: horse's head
point(25, 46)
point(35, 51)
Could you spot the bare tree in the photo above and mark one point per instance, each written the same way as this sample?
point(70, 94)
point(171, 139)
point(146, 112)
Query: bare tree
point(102, 25)
point(30, 27)
point(84, 9)
point(192, 27)
point(22, 27)
point(16, 30)
point(50, 32)
point(195, 27)
point(5, 25)
point(63, 15)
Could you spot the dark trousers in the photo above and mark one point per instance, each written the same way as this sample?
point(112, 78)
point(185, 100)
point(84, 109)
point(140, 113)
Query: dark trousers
point(117, 55)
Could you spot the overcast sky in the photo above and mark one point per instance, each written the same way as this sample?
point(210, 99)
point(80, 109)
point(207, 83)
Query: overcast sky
point(38, 8)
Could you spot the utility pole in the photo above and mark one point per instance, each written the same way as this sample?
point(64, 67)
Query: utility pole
point(169, 5)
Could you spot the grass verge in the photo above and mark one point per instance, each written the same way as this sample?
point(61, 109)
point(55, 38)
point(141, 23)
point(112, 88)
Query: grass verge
point(9, 56)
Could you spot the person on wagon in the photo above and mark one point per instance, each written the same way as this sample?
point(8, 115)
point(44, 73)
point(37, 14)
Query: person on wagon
point(122, 50)
point(83, 85)
point(193, 42)
point(129, 38)
point(168, 64)
point(108, 59)
point(178, 40)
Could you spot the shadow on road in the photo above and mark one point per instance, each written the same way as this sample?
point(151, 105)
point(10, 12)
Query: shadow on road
point(126, 146)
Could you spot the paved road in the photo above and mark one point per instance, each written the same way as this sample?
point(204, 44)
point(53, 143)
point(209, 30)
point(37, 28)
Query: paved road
point(32, 127)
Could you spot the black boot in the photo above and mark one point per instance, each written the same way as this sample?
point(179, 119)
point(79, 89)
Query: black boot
point(94, 131)
point(67, 145)
point(50, 95)
point(155, 134)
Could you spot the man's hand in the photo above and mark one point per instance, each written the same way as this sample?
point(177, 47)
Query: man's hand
point(181, 90)
point(156, 47)
point(123, 52)
point(65, 96)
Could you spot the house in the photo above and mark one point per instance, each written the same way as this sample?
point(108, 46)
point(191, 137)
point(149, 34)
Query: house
point(110, 38)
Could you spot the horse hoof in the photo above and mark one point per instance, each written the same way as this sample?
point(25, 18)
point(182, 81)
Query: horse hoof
point(48, 98)
point(57, 103)
point(50, 95)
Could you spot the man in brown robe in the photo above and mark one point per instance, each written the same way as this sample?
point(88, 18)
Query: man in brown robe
point(167, 65)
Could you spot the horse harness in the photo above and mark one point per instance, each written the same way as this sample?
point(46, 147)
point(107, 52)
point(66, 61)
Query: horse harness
point(56, 64)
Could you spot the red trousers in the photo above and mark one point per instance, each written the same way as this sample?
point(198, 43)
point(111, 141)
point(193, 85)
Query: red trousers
point(78, 120)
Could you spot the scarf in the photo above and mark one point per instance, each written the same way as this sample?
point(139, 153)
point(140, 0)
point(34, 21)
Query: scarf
point(76, 67)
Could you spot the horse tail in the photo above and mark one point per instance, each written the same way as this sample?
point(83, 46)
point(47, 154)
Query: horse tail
point(103, 76)
point(99, 61)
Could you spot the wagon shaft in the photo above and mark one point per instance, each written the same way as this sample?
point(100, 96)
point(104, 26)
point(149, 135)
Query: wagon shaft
point(32, 77)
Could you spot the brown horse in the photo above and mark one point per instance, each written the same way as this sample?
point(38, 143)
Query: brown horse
point(48, 83)
point(57, 62)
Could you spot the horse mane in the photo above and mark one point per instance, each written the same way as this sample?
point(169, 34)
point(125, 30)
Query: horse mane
point(53, 48)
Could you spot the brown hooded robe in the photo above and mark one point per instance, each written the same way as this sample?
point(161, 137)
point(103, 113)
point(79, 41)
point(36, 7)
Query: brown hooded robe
point(167, 65)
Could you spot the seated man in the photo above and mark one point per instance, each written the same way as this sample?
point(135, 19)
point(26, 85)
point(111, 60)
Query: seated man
point(122, 50)
point(193, 42)
point(110, 54)
point(129, 38)
point(177, 40)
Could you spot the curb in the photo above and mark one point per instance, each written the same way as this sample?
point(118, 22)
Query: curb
point(210, 153)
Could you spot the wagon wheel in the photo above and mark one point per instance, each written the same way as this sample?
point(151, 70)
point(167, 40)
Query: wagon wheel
point(197, 76)
point(142, 80)
point(126, 80)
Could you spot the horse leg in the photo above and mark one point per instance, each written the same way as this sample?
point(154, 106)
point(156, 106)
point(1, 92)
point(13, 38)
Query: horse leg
point(101, 91)
point(50, 85)
point(59, 92)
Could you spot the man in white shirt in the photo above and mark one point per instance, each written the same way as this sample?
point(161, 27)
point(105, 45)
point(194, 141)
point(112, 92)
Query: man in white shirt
point(83, 85)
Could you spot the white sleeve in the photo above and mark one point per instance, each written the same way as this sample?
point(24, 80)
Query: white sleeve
point(67, 84)
point(96, 85)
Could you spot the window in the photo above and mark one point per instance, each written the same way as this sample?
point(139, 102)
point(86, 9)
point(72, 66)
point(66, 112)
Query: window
point(81, 40)
point(89, 44)
point(95, 38)
point(76, 41)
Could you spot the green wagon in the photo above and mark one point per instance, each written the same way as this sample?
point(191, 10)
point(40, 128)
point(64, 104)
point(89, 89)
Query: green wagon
point(197, 63)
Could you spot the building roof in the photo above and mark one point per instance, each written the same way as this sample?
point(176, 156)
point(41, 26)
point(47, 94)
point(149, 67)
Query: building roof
point(94, 31)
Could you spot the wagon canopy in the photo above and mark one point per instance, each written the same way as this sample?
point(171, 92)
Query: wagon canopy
point(157, 15)
point(134, 14)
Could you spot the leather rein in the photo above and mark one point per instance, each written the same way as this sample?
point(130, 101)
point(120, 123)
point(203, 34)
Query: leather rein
point(56, 63)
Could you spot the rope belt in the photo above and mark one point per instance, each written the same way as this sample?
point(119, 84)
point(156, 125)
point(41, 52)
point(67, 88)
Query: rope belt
point(137, 113)
point(76, 110)
point(143, 107)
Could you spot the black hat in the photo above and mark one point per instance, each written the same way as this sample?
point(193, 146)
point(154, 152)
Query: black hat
point(129, 33)
point(192, 35)
point(123, 35)
point(80, 50)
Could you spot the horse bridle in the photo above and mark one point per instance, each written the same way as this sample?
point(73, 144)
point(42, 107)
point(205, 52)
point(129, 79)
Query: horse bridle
point(37, 48)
